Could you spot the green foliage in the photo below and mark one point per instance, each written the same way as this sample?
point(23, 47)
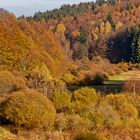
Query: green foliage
point(69, 10)
point(82, 37)
point(110, 19)
point(29, 109)
point(63, 11)
point(132, 53)
point(89, 136)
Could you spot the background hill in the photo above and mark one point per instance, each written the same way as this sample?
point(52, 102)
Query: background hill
point(92, 28)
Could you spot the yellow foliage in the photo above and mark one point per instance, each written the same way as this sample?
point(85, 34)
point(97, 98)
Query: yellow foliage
point(102, 28)
point(61, 101)
point(85, 97)
point(29, 109)
point(69, 78)
point(95, 33)
point(120, 103)
point(41, 69)
point(108, 27)
point(7, 135)
point(60, 30)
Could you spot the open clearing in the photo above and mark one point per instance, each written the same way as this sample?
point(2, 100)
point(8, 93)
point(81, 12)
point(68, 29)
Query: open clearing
point(115, 84)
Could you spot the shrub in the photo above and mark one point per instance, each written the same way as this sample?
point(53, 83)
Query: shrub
point(39, 77)
point(86, 95)
point(99, 79)
point(84, 98)
point(71, 122)
point(120, 104)
point(103, 116)
point(87, 80)
point(96, 118)
point(69, 79)
point(29, 109)
point(135, 100)
point(9, 82)
point(76, 123)
point(60, 122)
point(89, 136)
point(61, 101)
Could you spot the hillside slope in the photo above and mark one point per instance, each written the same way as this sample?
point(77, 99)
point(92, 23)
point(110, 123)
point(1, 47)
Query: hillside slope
point(91, 26)
point(24, 45)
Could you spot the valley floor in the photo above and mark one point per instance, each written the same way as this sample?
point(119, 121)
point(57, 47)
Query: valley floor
point(115, 83)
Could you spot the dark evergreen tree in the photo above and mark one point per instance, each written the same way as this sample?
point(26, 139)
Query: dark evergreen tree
point(83, 37)
point(132, 53)
point(110, 19)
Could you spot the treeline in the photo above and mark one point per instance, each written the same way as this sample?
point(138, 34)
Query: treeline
point(71, 10)
point(87, 28)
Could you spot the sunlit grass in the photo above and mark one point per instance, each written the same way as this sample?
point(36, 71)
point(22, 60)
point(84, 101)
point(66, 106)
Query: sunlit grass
point(125, 76)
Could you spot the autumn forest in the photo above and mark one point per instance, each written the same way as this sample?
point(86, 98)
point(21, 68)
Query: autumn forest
point(71, 73)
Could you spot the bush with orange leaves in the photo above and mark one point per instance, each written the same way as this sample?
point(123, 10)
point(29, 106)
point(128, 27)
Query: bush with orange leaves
point(9, 82)
point(29, 109)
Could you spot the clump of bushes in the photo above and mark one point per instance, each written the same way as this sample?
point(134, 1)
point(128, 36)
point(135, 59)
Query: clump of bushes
point(89, 136)
point(29, 109)
point(135, 100)
point(84, 98)
point(120, 104)
point(102, 116)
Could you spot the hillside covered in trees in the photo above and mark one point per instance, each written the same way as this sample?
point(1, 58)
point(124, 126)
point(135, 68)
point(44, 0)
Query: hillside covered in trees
point(93, 29)
point(51, 62)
